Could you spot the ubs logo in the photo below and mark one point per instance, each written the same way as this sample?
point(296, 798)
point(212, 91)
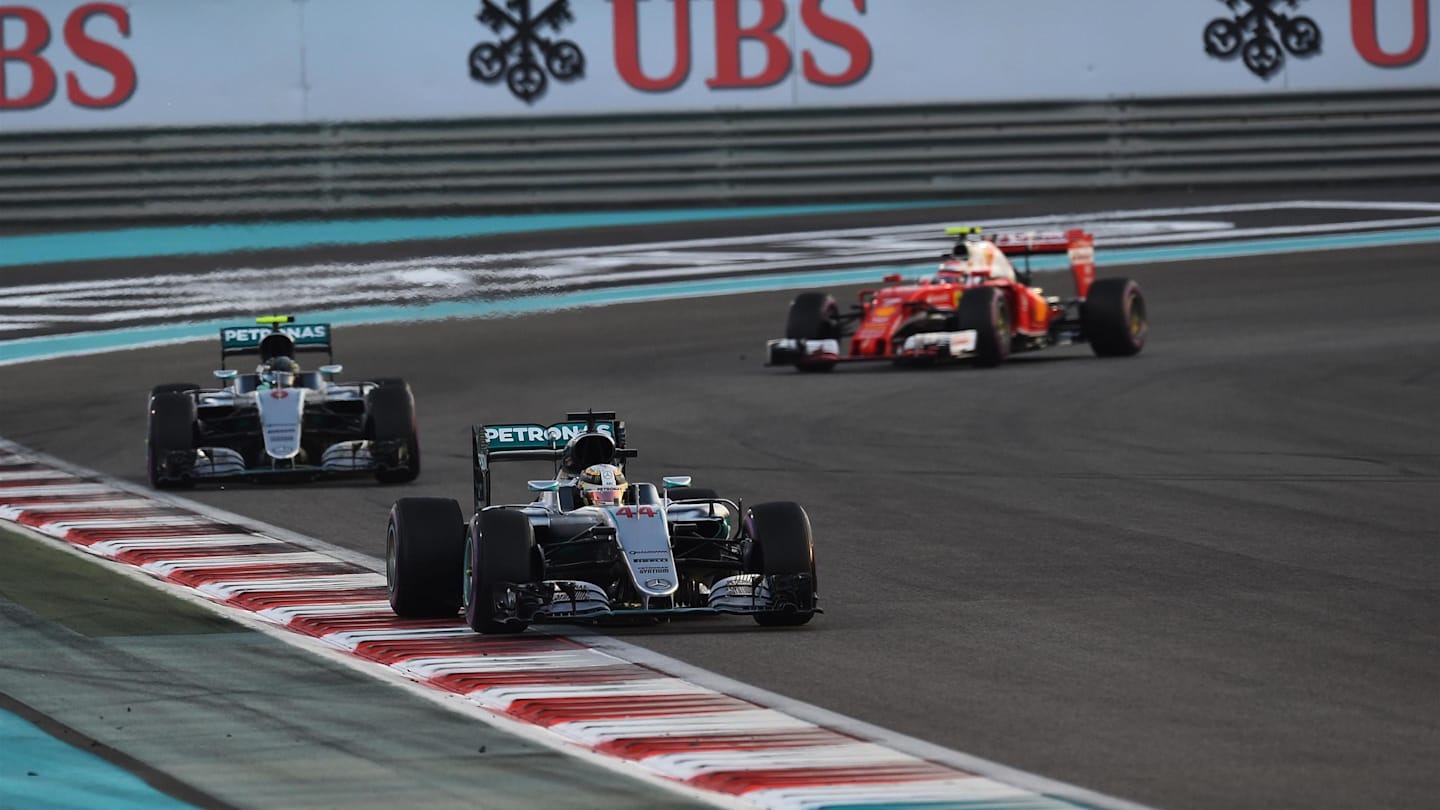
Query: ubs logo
point(1262, 35)
point(523, 57)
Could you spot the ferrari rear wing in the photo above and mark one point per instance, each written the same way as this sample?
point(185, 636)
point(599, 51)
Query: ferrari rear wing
point(1079, 244)
point(536, 442)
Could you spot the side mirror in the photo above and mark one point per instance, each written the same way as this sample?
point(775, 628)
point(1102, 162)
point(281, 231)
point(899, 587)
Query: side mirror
point(329, 371)
point(672, 481)
point(226, 374)
point(542, 486)
point(893, 278)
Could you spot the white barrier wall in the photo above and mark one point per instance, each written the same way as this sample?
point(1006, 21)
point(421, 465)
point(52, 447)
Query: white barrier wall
point(73, 64)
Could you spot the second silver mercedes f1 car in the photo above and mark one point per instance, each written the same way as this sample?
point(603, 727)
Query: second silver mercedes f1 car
point(281, 420)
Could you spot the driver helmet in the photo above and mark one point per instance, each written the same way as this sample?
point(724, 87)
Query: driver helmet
point(602, 485)
point(280, 372)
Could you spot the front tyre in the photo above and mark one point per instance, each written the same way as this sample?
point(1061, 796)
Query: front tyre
point(1114, 318)
point(987, 311)
point(424, 555)
point(498, 552)
point(170, 437)
point(813, 316)
point(783, 550)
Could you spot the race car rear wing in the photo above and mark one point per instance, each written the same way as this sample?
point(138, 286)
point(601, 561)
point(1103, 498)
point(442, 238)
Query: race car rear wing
point(1077, 243)
point(248, 339)
point(585, 438)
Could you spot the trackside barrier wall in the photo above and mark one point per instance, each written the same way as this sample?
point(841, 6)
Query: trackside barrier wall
point(896, 152)
point(155, 109)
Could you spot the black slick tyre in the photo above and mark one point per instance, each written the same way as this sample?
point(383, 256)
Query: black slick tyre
point(170, 430)
point(1114, 318)
point(987, 311)
point(390, 417)
point(424, 557)
point(813, 316)
point(781, 544)
point(500, 550)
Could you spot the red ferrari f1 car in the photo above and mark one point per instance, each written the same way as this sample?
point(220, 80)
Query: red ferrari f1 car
point(975, 306)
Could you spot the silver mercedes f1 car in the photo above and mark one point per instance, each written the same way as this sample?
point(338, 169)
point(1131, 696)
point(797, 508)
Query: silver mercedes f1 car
point(591, 544)
point(281, 420)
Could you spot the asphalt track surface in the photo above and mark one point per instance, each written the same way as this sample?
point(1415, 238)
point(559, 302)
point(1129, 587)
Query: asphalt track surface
point(1205, 576)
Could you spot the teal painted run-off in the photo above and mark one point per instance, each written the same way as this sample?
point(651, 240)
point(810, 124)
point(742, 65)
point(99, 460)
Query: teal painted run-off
point(211, 240)
point(42, 348)
point(37, 770)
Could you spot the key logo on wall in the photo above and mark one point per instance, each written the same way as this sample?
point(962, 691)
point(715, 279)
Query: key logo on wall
point(523, 56)
point(1262, 35)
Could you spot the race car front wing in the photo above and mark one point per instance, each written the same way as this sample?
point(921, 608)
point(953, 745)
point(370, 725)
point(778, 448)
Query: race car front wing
point(789, 351)
point(341, 458)
point(574, 600)
point(922, 346)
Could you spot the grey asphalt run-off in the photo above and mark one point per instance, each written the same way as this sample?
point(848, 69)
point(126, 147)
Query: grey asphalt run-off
point(1205, 576)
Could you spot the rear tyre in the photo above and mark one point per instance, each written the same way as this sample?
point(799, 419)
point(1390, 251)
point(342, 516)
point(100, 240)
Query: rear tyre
point(171, 429)
point(1114, 318)
point(390, 416)
point(424, 557)
point(987, 311)
point(173, 388)
point(813, 316)
point(690, 493)
point(781, 544)
point(500, 550)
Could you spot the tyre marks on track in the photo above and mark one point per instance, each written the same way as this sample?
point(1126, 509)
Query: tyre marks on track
point(92, 303)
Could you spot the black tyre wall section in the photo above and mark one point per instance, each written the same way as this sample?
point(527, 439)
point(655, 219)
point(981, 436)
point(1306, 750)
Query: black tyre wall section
point(424, 557)
point(501, 551)
point(390, 417)
point(1114, 317)
point(987, 311)
point(170, 431)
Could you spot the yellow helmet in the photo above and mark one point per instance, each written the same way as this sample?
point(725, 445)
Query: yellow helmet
point(602, 485)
